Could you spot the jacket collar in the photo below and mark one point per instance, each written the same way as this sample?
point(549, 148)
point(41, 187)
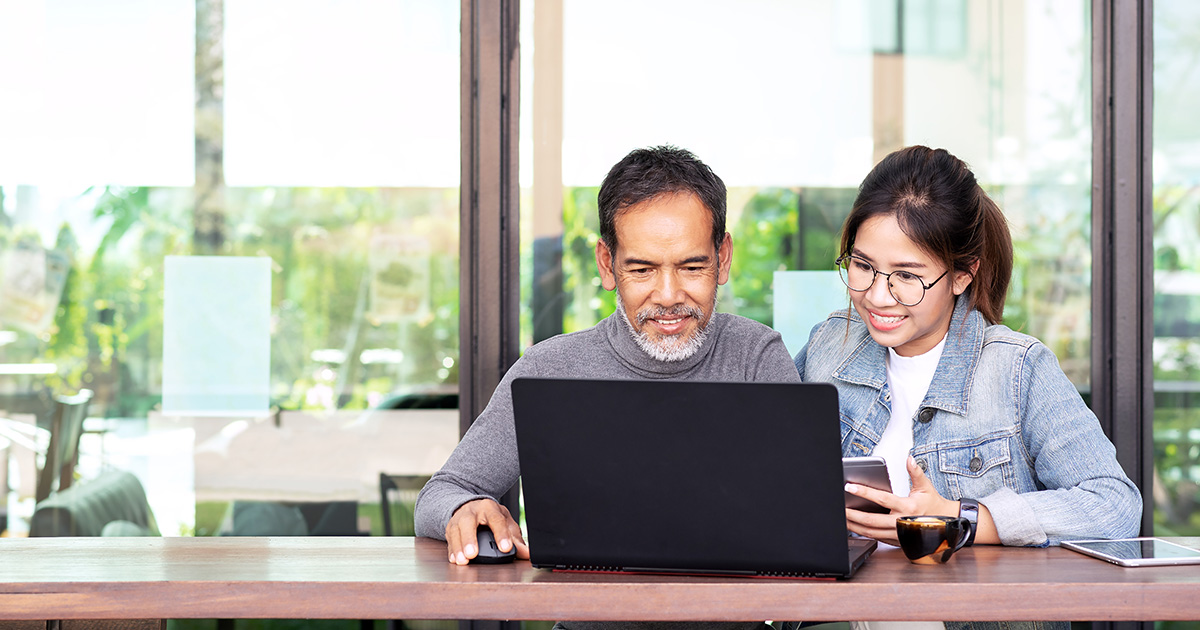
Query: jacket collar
point(950, 389)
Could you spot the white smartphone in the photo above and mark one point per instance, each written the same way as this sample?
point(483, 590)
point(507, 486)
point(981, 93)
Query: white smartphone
point(1136, 552)
point(870, 471)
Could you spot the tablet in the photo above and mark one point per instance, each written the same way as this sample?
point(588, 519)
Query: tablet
point(870, 471)
point(1136, 552)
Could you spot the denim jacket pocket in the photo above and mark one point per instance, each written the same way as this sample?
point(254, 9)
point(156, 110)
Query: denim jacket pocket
point(977, 469)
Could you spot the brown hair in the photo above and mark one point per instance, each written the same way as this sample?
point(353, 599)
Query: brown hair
point(939, 205)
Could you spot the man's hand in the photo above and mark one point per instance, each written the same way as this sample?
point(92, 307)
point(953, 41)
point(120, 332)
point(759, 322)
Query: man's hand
point(922, 499)
point(469, 517)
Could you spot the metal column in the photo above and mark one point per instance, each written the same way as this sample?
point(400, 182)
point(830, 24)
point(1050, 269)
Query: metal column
point(489, 289)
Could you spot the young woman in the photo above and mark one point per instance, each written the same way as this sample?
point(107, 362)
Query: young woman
point(972, 418)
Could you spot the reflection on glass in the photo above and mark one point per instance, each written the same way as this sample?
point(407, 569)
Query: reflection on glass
point(1176, 164)
point(321, 141)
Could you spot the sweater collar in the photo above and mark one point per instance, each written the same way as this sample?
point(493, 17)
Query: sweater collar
point(636, 359)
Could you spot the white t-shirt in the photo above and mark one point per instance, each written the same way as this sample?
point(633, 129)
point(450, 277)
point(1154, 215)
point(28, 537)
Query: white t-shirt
point(908, 381)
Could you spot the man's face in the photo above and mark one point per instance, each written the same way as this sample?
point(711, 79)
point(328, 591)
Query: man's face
point(666, 272)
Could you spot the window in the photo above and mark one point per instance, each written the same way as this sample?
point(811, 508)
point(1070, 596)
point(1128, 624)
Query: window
point(1176, 164)
point(316, 140)
point(792, 104)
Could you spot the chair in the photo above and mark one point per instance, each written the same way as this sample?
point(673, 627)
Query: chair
point(405, 488)
point(289, 518)
point(402, 485)
point(66, 425)
point(112, 504)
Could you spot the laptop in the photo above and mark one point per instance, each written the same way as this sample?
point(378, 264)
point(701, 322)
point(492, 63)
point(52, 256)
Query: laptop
point(684, 477)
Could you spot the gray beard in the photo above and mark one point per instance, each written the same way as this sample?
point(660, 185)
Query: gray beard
point(672, 348)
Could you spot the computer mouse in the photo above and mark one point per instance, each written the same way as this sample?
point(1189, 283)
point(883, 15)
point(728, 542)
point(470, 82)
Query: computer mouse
point(489, 551)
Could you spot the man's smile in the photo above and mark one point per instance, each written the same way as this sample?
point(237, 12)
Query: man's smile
point(670, 325)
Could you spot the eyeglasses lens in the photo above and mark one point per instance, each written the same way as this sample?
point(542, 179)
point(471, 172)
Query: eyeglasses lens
point(859, 275)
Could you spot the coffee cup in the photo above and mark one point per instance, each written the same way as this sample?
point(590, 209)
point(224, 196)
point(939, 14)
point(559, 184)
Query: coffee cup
point(931, 539)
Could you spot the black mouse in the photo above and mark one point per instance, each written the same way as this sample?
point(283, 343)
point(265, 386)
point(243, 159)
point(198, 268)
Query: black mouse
point(489, 551)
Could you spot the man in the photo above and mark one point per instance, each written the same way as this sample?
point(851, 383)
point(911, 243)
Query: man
point(664, 249)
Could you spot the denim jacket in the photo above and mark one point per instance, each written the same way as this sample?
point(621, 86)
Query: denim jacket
point(1001, 424)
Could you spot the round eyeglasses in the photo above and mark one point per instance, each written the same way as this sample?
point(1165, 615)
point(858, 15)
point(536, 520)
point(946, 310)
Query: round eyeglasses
point(906, 287)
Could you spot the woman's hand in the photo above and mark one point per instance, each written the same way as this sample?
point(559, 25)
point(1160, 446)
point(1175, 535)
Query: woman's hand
point(922, 499)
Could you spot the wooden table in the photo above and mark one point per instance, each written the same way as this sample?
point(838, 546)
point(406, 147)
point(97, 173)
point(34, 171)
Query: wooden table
point(406, 578)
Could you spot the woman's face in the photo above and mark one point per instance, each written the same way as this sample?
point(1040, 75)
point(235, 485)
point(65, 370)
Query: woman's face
point(910, 330)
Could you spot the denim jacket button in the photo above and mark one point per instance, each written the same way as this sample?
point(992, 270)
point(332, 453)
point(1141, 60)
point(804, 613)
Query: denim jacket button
point(926, 414)
point(975, 464)
point(922, 465)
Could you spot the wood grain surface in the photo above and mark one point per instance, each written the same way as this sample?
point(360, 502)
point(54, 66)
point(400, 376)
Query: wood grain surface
point(407, 578)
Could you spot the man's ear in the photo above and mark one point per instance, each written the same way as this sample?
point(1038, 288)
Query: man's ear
point(604, 263)
point(962, 279)
point(724, 258)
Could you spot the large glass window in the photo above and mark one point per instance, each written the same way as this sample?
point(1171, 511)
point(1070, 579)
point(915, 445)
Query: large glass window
point(148, 148)
point(792, 104)
point(1176, 164)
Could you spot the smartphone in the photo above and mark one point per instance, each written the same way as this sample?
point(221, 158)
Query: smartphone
point(870, 471)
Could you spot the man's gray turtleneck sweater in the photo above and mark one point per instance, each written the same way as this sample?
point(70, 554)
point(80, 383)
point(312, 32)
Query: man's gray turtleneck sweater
point(484, 465)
